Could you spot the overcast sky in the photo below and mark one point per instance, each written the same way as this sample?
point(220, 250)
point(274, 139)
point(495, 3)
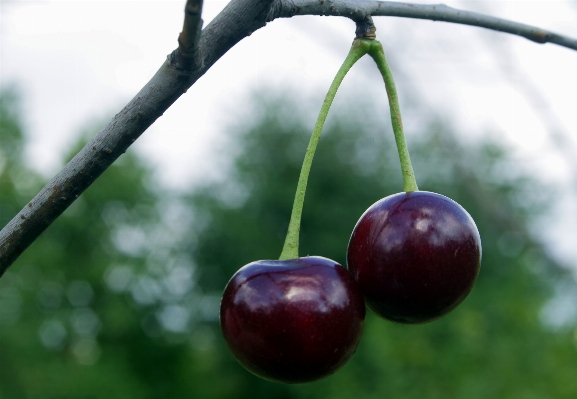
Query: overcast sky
point(78, 61)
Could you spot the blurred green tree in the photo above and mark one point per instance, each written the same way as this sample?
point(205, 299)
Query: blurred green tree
point(63, 332)
point(119, 297)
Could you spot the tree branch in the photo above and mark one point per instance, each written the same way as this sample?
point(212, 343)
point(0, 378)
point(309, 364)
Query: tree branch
point(357, 10)
point(194, 56)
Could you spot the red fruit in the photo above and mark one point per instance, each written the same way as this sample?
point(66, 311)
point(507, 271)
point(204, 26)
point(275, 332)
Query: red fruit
point(415, 256)
point(294, 320)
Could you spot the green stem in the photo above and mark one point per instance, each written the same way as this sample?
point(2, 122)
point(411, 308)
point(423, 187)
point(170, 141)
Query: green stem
point(409, 182)
point(290, 249)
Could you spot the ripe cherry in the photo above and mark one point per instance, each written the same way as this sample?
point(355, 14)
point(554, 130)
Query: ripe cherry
point(415, 256)
point(296, 319)
point(293, 320)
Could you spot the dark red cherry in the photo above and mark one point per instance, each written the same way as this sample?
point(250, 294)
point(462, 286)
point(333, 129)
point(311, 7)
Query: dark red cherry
point(294, 320)
point(415, 256)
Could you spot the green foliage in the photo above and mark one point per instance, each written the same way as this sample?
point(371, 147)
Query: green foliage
point(119, 297)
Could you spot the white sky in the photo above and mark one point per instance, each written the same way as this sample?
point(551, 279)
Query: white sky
point(80, 60)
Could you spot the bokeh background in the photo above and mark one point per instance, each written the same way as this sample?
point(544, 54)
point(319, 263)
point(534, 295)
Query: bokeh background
point(119, 297)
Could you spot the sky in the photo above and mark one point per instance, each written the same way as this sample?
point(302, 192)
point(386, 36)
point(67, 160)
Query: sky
point(79, 62)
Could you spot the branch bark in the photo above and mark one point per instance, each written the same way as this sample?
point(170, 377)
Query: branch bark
point(197, 52)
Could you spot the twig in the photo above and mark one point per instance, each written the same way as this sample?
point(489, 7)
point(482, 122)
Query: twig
point(190, 35)
point(358, 9)
point(184, 67)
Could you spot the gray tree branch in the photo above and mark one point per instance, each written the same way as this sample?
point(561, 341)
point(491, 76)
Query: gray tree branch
point(358, 9)
point(197, 52)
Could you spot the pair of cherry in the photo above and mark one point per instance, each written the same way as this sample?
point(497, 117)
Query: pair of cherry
point(412, 257)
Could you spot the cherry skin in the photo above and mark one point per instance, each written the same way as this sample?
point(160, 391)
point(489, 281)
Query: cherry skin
point(415, 256)
point(294, 320)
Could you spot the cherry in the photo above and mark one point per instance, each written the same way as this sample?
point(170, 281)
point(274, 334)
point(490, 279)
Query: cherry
point(296, 319)
point(293, 320)
point(415, 255)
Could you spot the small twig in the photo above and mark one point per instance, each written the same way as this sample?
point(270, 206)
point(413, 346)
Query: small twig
point(358, 9)
point(366, 29)
point(190, 35)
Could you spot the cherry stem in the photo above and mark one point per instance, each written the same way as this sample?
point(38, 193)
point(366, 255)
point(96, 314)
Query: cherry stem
point(378, 54)
point(290, 249)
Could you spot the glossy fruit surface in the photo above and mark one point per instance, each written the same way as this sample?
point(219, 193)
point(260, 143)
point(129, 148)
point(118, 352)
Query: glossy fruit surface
point(294, 320)
point(415, 255)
